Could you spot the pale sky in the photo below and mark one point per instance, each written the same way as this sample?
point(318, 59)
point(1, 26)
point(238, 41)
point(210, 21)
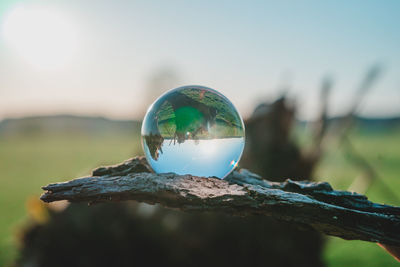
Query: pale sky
point(96, 57)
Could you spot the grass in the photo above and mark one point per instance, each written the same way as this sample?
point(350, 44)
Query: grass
point(27, 163)
point(381, 151)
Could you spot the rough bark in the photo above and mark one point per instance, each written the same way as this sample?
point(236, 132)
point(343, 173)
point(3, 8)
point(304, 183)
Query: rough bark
point(307, 204)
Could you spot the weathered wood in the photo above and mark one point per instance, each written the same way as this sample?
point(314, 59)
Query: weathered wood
point(338, 213)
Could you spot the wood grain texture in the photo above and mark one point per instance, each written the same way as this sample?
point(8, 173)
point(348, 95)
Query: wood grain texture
point(306, 204)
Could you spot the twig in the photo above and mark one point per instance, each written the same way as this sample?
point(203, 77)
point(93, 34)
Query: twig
point(316, 205)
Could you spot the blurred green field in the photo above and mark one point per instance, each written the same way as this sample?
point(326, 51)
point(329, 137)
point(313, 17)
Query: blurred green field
point(27, 163)
point(381, 149)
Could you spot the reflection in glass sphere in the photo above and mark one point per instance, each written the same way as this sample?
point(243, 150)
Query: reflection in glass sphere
point(193, 130)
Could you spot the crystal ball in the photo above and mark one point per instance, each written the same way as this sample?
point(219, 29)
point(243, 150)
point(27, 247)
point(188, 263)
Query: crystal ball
point(193, 130)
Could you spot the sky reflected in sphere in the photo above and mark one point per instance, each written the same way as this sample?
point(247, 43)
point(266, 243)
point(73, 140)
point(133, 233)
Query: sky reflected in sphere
point(193, 130)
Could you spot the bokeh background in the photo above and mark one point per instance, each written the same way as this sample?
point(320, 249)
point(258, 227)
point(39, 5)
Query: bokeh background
point(76, 78)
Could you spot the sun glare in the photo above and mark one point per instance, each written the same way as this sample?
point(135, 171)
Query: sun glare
point(42, 36)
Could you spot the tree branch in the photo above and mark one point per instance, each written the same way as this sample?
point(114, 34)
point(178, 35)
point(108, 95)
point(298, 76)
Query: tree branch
point(338, 213)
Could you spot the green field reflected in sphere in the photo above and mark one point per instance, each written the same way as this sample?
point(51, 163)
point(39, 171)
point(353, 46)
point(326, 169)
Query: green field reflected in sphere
point(193, 130)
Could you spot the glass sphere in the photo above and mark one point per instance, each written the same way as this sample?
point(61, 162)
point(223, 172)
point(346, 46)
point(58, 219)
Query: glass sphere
point(193, 130)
